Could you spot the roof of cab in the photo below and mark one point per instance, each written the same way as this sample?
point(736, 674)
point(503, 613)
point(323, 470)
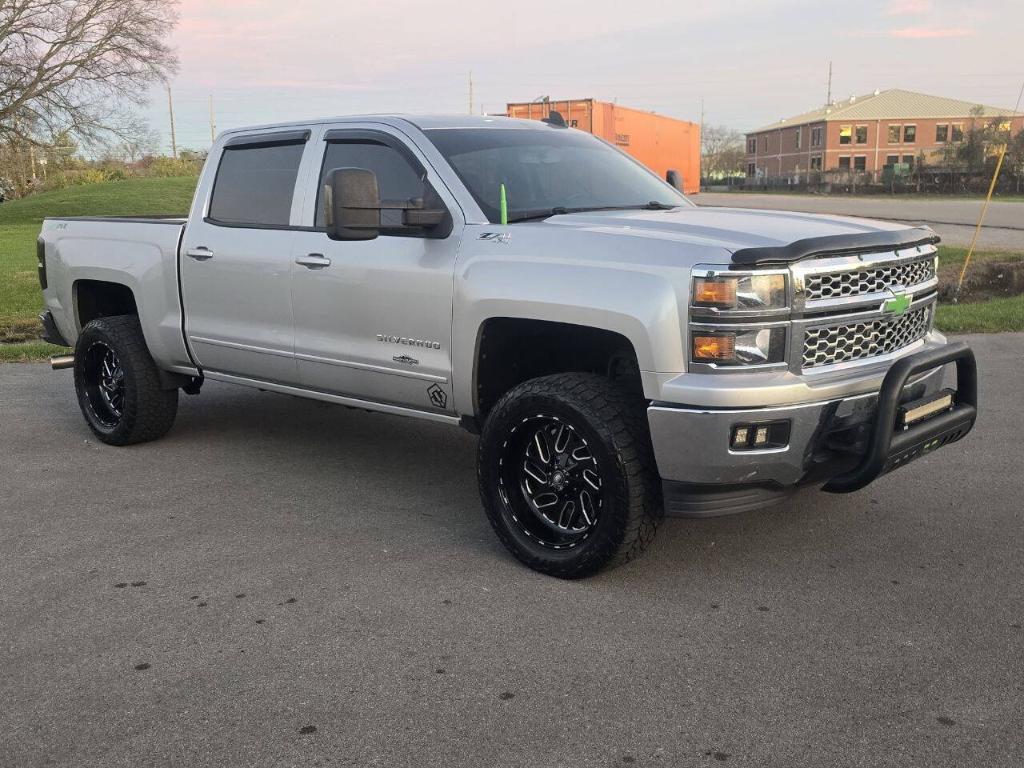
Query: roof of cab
point(423, 122)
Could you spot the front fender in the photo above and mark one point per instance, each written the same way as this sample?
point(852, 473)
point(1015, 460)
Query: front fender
point(641, 305)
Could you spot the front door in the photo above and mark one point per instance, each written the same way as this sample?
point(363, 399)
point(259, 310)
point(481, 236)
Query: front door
point(373, 318)
point(236, 261)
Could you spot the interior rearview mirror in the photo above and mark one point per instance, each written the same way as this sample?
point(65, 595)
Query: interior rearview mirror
point(352, 204)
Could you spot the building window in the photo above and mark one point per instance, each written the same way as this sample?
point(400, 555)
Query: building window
point(816, 160)
point(908, 160)
point(861, 135)
point(845, 134)
point(958, 132)
point(894, 134)
point(909, 134)
point(860, 163)
point(751, 170)
point(941, 134)
point(816, 137)
point(892, 159)
point(799, 137)
point(764, 143)
point(844, 163)
point(752, 146)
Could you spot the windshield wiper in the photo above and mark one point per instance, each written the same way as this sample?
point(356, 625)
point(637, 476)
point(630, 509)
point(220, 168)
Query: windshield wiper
point(560, 210)
point(541, 214)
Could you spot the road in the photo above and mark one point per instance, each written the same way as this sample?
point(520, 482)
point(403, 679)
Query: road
point(953, 219)
point(275, 566)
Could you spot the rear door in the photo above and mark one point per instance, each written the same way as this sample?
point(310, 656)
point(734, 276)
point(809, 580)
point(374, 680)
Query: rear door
point(373, 318)
point(236, 259)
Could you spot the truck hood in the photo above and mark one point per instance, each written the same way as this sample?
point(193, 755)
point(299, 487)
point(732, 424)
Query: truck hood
point(752, 236)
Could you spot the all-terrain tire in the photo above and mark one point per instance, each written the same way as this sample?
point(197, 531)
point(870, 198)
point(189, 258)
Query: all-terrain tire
point(140, 410)
point(610, 423)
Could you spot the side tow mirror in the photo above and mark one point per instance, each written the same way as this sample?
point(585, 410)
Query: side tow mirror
point(675, 178)
point(352, 204)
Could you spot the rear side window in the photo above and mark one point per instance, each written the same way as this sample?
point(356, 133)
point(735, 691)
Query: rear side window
point(255, 184)
point(397, 179)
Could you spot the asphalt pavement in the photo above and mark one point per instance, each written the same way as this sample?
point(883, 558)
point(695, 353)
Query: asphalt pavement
point(954, 219)
point(281, 582)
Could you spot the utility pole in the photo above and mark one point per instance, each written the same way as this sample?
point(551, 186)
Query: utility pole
point(170, 108)
point(828, 98)
point(471, 92)
point(213, 126)
point(700, 146)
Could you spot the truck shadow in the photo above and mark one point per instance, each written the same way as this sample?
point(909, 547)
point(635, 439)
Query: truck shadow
point(416, 468)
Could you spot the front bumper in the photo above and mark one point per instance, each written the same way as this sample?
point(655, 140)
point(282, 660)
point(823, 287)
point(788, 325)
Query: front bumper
point(830, 441)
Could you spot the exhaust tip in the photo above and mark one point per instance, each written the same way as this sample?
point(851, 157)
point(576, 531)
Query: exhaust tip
point(60, 362)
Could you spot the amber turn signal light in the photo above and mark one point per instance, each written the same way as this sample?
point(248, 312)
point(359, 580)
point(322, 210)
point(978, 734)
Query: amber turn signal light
point(714, 292)
point(719, 347)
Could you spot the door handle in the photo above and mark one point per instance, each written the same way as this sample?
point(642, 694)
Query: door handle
point(202, 253)
point(313, 261)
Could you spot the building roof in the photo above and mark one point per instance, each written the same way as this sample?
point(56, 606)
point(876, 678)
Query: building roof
point(891, 104)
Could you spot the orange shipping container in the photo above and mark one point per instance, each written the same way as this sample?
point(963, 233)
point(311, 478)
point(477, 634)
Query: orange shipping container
point(661, 143)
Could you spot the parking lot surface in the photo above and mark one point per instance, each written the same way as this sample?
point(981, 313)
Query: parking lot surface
point(954, 219)
point(282, 582)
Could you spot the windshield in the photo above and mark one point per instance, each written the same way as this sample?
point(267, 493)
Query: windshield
point(548, 170)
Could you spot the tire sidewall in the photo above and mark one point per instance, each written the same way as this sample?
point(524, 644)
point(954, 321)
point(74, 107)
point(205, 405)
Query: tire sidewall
point(606, 537)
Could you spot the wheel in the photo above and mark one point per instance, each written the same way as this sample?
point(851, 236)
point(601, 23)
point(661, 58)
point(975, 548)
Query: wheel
point(567, 474)
point(118, 385)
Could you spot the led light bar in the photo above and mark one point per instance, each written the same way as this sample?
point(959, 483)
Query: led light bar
point(919, 410)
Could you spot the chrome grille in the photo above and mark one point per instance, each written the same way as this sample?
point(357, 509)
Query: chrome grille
point(828, 345)
point(838, 285)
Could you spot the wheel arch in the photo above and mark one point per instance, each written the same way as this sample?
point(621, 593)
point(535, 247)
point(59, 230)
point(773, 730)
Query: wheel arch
point(511, 350)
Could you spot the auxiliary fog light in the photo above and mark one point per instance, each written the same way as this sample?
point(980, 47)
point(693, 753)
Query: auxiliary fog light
point(757, 437)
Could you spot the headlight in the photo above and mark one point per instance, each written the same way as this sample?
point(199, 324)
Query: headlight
point(755, 346)
point(742, 292)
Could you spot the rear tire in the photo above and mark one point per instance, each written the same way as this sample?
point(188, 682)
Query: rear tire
point(567, 474)
point(118, 385)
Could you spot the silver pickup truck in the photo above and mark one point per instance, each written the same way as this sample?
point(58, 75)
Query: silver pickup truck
point(620, 351)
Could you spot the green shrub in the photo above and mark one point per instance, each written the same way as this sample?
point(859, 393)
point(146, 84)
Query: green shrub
point(165, 167)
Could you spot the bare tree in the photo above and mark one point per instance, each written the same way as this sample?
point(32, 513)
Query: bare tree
point(722, 151)
point(79, 65)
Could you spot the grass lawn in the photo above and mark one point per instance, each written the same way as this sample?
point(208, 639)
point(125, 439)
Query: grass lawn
point(992, 316)
point(950, 254)
point(20, 297)
point(29, 351)
point(131, 197)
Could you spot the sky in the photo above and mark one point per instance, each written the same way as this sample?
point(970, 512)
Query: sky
point(749, 62)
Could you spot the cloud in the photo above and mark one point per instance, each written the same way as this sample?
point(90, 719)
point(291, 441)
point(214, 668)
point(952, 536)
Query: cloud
point(907, 7)
point(927, 33)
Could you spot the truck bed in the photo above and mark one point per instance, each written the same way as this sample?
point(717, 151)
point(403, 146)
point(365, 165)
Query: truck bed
point(138, 252)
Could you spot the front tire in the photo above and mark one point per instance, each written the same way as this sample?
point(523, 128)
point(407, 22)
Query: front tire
point(118, 385)
point(567, 474)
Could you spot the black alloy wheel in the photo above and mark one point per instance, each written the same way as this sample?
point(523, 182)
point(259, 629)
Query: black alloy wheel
point(551, 481)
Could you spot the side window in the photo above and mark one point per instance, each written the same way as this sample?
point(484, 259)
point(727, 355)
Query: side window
point(397, 179)
point(255, 184)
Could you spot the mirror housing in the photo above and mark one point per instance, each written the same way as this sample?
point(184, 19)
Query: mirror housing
point(675, 178)
point(423, 218)
point(352, 204)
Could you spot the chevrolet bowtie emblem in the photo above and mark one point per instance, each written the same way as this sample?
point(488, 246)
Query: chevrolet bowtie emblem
point(897, 305)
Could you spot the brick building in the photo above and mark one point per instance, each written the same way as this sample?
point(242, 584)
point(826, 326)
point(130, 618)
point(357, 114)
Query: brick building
point(866, 133)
